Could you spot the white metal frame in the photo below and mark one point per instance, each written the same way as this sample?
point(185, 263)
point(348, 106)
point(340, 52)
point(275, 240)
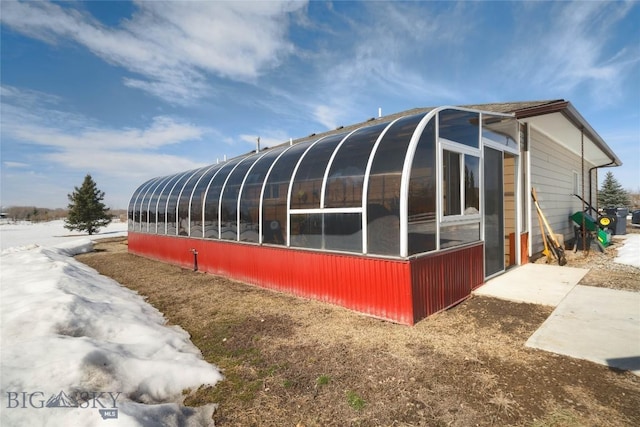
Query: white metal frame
point(178, 203)
point(365, 187)
point(246, 175)
point(224, 185)
point(290, 189)
point(161, 184)
point(166, 181)
point(146, 189)
point(193, 192)
point(264, 186)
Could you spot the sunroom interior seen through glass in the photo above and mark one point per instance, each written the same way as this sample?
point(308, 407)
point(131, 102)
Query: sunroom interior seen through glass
point(393, 188)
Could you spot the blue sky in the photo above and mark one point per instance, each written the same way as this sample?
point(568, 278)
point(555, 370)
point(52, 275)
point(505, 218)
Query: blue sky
point(127, 91)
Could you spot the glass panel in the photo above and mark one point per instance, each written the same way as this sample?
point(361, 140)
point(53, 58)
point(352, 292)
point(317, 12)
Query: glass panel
point(183, 202)
point(162, 204)
point(307, 183)
point(346, 177)
point(212, 199)
point(471, 185)
point(153, 204)
point(459, 234)
point(306, 231)
point(343, 232)
point(134, 207)
point(144, 205)
point(229, 208)
point(422, 194)
point(450, 183)
point(383, 197)
point(172, 203)
point(460, 127)
point(250, 197)
point(274, 204)
point(501, 130)
point(493, 212)
point(196, 201)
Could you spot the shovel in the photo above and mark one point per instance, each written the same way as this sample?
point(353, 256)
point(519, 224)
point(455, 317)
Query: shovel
point(550, 237)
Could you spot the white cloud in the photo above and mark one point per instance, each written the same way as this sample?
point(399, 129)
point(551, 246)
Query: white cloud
point(327, 115)
point(18, 165)
point(70, 144)
point(171, 46)
point(565, 47)
point(378, 55)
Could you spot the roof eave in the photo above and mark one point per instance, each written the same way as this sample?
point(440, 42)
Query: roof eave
point(569, 111)
point(576, 118)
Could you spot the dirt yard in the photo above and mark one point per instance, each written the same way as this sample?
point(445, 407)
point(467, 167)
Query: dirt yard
point(294, 362)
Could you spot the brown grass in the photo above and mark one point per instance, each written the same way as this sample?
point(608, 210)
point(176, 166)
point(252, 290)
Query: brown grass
point(293, 362)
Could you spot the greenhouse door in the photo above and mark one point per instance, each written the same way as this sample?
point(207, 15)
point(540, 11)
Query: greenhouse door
point(500, 228)
point(493, 212)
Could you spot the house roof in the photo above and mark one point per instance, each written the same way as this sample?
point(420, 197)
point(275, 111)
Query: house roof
point(526, 111)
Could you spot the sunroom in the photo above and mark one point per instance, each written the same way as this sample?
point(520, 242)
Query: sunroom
point(397, 217)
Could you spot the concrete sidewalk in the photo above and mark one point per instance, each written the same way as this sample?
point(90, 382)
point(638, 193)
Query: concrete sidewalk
point(534, 283)
point(596, 324)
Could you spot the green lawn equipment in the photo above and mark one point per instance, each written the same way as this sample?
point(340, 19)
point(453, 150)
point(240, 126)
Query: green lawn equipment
point(597, 227)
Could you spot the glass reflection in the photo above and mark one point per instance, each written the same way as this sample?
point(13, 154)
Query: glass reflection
point(383, 195)
point(460, 126)
point(307, 183)
point(274, 199)
point(422, 194)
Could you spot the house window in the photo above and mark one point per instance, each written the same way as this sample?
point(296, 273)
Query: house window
point(576, 183)
point(460, 184)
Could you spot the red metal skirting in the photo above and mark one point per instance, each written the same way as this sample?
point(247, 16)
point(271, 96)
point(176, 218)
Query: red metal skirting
point(402, 291)
point(443, 279)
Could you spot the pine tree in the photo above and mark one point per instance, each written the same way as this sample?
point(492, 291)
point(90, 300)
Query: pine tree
point(611, 193)
point(86, 210)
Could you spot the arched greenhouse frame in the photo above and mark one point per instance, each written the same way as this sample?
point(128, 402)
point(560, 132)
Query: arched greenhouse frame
point(397, 217)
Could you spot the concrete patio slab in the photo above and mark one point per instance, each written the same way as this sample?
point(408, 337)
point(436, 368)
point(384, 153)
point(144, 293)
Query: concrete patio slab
point(596, 324)
point(534, 283)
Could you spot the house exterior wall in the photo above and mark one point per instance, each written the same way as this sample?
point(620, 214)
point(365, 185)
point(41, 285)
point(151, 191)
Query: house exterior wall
point(554, 172)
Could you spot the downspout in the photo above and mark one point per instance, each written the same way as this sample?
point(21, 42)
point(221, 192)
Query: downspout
point(590, 186)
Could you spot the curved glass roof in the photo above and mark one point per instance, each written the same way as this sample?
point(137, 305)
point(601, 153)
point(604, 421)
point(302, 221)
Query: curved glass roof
point(372, 188)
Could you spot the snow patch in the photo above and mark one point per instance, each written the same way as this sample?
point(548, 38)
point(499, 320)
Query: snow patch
point(69, 334)
point(629, 253)
point(51, 233)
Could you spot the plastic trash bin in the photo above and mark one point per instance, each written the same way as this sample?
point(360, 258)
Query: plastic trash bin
point(635, 217)
point(621, 224)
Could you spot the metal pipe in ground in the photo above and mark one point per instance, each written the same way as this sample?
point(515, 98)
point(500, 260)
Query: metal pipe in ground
point(195, 259)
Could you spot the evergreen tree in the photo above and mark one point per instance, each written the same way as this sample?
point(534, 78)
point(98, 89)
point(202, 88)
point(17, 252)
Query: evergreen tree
point(86, 210)
point(611, 193)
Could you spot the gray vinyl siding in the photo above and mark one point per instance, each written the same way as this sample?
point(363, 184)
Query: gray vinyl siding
point(552, 175)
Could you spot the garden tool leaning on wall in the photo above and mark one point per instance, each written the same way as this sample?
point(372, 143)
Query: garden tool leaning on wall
point(548, 237)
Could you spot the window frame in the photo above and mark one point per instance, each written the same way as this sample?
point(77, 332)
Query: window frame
point(463, 151)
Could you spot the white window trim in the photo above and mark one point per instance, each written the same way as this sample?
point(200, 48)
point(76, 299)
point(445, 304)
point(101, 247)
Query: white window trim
point(464, 150)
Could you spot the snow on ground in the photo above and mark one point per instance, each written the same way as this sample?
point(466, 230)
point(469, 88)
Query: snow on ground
point(629, 253)
point(80, 349)
point(50, 233)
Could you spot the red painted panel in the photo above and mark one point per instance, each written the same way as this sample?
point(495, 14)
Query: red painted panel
point(396, 290)
point(378, 287)
point(524, 248)
point(443, 279)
